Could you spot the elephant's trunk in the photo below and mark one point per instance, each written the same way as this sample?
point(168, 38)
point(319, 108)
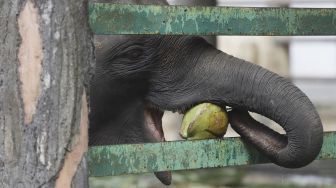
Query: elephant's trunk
point(248, 87)
point(206, 74)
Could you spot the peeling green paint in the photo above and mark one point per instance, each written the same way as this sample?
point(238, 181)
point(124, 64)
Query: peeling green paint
point(183, 20)
point(138, 158)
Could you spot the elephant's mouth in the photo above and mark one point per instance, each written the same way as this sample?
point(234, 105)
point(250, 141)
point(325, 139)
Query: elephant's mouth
point(153, 120)
point(153, 123)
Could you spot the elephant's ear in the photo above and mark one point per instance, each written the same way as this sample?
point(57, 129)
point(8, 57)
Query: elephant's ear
point(103, 44)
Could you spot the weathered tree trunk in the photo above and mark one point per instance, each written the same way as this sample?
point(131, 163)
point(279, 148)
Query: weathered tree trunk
point(45, 55)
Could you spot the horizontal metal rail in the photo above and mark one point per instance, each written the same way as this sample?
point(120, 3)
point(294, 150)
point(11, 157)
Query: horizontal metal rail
point(183, 20)
point(178, 155)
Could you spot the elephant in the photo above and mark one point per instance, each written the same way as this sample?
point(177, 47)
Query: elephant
point(138, 77)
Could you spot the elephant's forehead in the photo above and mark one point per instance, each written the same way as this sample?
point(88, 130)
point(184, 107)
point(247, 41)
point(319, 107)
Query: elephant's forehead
point(108, 41)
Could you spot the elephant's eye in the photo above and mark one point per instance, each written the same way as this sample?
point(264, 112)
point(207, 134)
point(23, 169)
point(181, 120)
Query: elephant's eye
point(135, 53)
point(131, 53)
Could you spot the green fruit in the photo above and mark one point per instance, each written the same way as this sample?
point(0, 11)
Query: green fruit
point(204, 121)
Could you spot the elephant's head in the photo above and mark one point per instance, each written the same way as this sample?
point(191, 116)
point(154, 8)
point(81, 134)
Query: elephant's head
point(138, 77)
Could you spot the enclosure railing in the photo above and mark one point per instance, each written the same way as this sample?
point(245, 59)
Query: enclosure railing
point(117, 19)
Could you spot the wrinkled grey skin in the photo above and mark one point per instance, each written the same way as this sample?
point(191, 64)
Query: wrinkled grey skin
point(178, 72)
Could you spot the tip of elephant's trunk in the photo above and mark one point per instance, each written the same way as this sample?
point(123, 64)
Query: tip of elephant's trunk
point(165, 177)
point(290, 151)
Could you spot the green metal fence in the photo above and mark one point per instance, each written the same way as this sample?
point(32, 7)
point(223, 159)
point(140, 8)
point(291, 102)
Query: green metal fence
point(183, 20)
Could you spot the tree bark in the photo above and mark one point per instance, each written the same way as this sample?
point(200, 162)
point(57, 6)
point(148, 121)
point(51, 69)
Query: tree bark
point(46, 55)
